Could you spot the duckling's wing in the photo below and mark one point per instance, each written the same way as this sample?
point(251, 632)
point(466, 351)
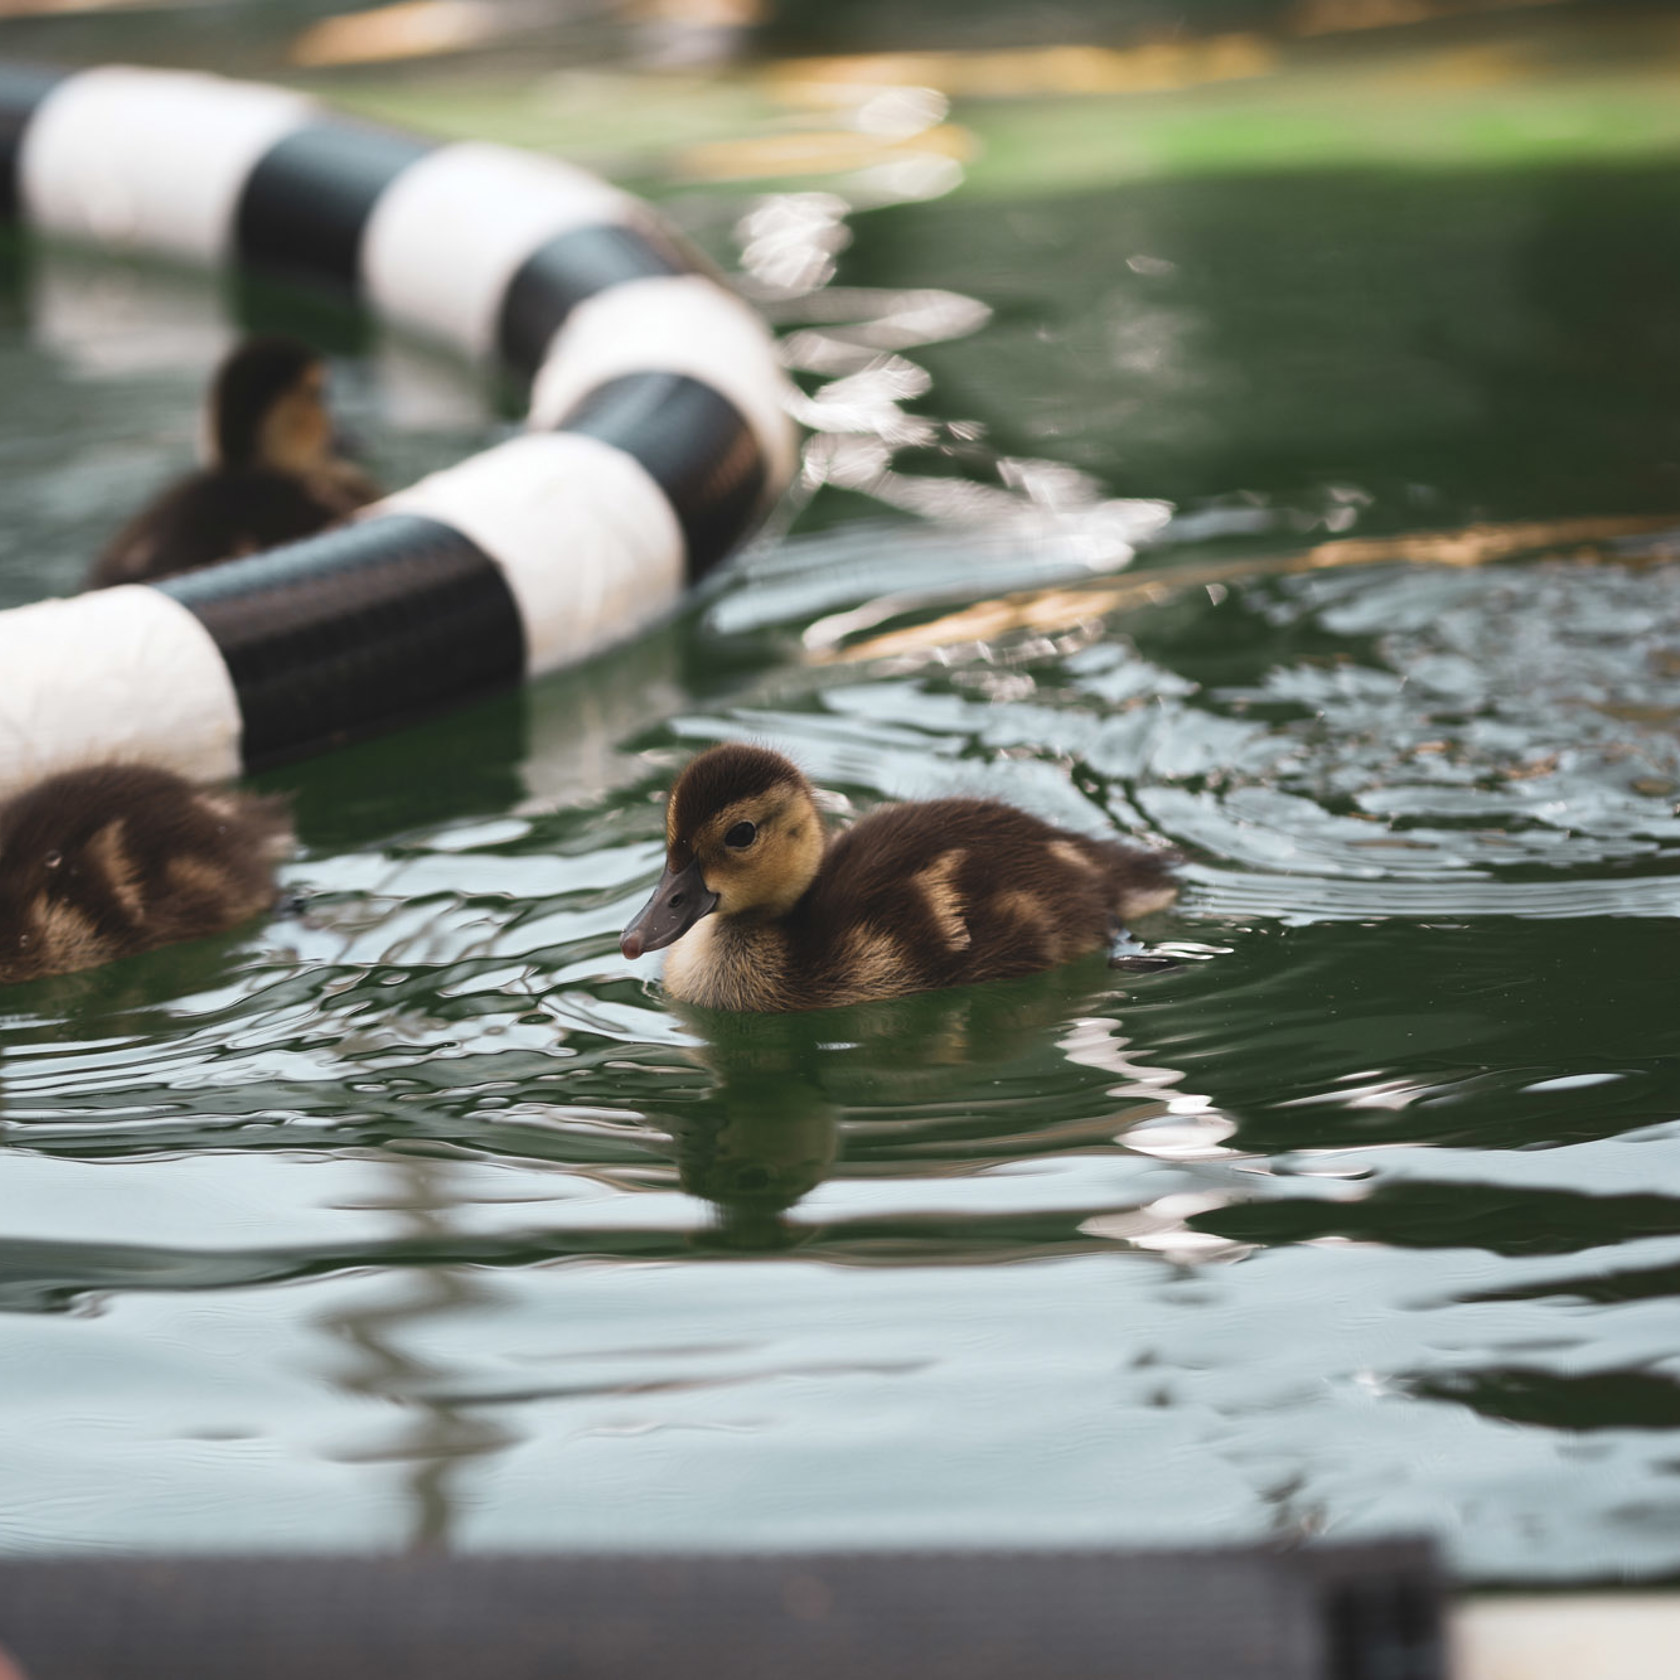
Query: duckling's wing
point(962, 890)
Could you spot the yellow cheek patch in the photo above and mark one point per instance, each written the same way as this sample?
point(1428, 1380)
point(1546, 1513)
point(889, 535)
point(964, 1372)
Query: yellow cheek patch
point(297, 431)
point(771, 872)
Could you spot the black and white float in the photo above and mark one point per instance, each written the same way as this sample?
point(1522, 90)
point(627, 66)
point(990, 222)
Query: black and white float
point(657, 433)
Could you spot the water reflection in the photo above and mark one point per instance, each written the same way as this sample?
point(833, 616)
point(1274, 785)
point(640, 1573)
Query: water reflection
point(564, 743)
point(889, 1090)
point(106, 319)
point(760, 1142)
point(864, 407)
point(1220, 1213)
point(435, 1437)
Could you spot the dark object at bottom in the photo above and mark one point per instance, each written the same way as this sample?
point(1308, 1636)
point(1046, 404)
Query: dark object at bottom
point(1347, 1613)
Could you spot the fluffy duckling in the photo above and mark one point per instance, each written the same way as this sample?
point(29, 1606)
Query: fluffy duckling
point(272, 477)
point(101, 863)
point(764, 912)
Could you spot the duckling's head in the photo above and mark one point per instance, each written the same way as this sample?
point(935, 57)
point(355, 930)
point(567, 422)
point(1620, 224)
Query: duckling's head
point(742, 837)
point(268, 406)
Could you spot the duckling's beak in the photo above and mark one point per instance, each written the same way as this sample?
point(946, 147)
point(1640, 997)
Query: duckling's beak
point(678, 902)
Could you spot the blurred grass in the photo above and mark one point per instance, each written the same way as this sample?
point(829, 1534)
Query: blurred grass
point(648, 128)
point(1282, 125)
point(594, 117)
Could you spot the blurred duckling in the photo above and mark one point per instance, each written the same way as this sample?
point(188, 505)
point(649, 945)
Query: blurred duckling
point(273, 476)
point(104, 862)
point(763, 912)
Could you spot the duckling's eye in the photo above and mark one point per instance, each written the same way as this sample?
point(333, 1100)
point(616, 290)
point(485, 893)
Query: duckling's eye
point(741, 835)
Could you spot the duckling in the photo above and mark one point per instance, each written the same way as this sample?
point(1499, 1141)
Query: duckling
point(100, 863)
point(763, 912)
point(272, 477)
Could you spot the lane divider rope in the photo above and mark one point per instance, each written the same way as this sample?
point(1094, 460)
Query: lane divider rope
point(656, 439)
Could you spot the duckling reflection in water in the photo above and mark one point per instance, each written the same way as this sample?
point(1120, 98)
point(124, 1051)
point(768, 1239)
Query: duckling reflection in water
point(102, 863)
point(756, 1146)
point(903, 1077)
point(272, 478)
point(763, 912)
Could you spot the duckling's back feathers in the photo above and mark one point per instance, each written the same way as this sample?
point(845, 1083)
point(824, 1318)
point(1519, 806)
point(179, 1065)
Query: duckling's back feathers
point(104, 862)
point(951, 892)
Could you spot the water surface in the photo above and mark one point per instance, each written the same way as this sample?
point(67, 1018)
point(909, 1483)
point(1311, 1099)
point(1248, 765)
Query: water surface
point(419, 1217)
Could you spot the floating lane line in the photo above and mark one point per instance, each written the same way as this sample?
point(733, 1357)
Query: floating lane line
point(657, 436)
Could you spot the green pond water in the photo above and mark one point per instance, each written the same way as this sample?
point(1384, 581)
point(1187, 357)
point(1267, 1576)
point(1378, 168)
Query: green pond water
point(417, 1217)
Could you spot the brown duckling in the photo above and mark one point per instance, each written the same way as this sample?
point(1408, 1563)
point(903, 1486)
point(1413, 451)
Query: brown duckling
point(100, 863)
point(272, 478)
point(764, 912)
